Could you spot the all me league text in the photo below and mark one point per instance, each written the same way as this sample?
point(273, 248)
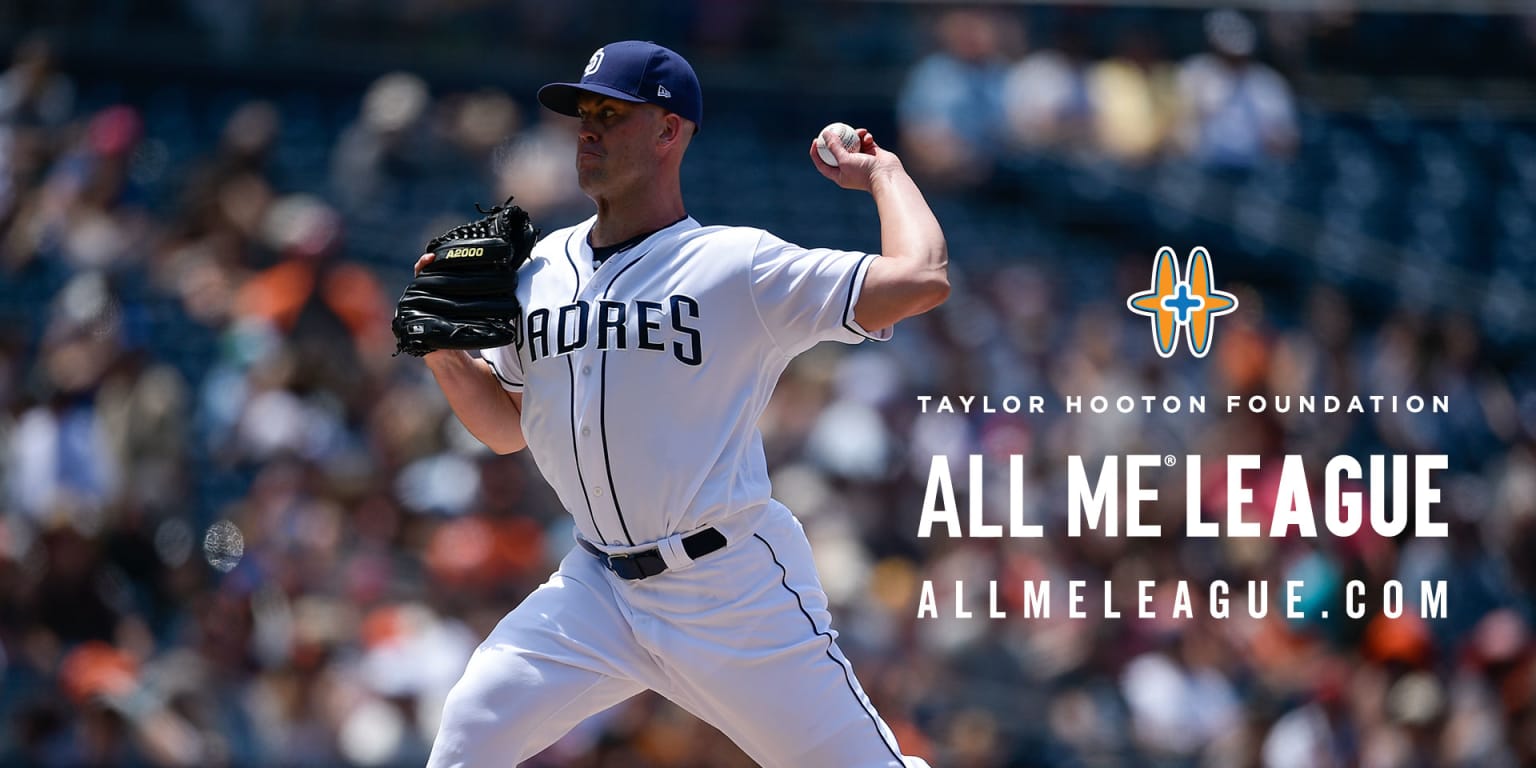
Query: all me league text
point(1111, 505)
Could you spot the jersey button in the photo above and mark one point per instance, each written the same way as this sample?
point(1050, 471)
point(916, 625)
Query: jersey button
point(586, 431)
point(586, 369)
point(597, 490)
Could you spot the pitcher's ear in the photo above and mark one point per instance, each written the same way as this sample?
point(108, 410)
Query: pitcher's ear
point(671, 127)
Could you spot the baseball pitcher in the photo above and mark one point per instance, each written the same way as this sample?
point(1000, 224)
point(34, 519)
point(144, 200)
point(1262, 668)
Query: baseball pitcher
point(633, 354)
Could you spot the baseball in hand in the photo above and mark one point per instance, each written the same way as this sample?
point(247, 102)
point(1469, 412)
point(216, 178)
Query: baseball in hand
point(849, 136)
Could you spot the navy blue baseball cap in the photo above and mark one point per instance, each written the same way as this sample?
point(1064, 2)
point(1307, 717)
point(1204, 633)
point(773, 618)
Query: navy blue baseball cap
point(635, 71)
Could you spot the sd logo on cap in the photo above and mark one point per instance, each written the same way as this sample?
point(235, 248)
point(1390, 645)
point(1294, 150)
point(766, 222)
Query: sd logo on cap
point(636, 71)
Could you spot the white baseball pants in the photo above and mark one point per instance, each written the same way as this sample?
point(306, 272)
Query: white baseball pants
point(740, 638)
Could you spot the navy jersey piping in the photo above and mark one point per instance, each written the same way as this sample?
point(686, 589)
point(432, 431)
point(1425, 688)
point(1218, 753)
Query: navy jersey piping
point(602, 407)
point(831, 643)
point(571, 369)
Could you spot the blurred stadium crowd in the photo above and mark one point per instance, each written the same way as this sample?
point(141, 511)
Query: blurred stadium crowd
point(235, 531)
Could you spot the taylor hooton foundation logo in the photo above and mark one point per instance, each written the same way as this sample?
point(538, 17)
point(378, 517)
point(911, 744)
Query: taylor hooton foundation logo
point(1188, 303)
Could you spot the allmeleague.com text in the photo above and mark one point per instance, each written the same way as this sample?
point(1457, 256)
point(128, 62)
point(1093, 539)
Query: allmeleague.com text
point(1151, 599)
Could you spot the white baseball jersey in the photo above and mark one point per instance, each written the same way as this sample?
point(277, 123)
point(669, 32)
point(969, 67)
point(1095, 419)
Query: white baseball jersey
point(643, 378)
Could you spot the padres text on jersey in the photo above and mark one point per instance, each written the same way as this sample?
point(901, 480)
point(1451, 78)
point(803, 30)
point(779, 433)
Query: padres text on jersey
point(637, 324)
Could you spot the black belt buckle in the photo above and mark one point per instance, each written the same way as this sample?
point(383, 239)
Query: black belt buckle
point(624, 566)
point(631, 566)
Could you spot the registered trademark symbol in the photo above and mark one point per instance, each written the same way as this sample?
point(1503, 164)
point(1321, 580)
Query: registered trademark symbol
point(1170, 460)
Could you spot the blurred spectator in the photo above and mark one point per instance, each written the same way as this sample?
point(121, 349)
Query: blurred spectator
point(387, 147)
point(475, 125)
point(1180, 704)
point(62, 464)
point(538, 169)
point(35, 102)
point(318, 300)
point(950, 108)
point(1047, 96)
point(226, 200)
point(89, 211)
point(33, 93)
point(1240, 112)
point(245, 149)
point(1135, 100)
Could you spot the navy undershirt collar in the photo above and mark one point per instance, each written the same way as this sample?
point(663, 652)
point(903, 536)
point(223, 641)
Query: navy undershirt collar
point(602, 253)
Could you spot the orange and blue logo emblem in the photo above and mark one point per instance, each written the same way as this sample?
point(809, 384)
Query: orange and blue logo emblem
point(1177, 303)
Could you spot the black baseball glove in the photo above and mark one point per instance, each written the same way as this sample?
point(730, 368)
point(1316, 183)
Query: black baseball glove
point(466, 297)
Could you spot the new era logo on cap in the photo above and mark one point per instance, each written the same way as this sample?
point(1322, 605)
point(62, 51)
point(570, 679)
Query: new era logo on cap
point(634, 71)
